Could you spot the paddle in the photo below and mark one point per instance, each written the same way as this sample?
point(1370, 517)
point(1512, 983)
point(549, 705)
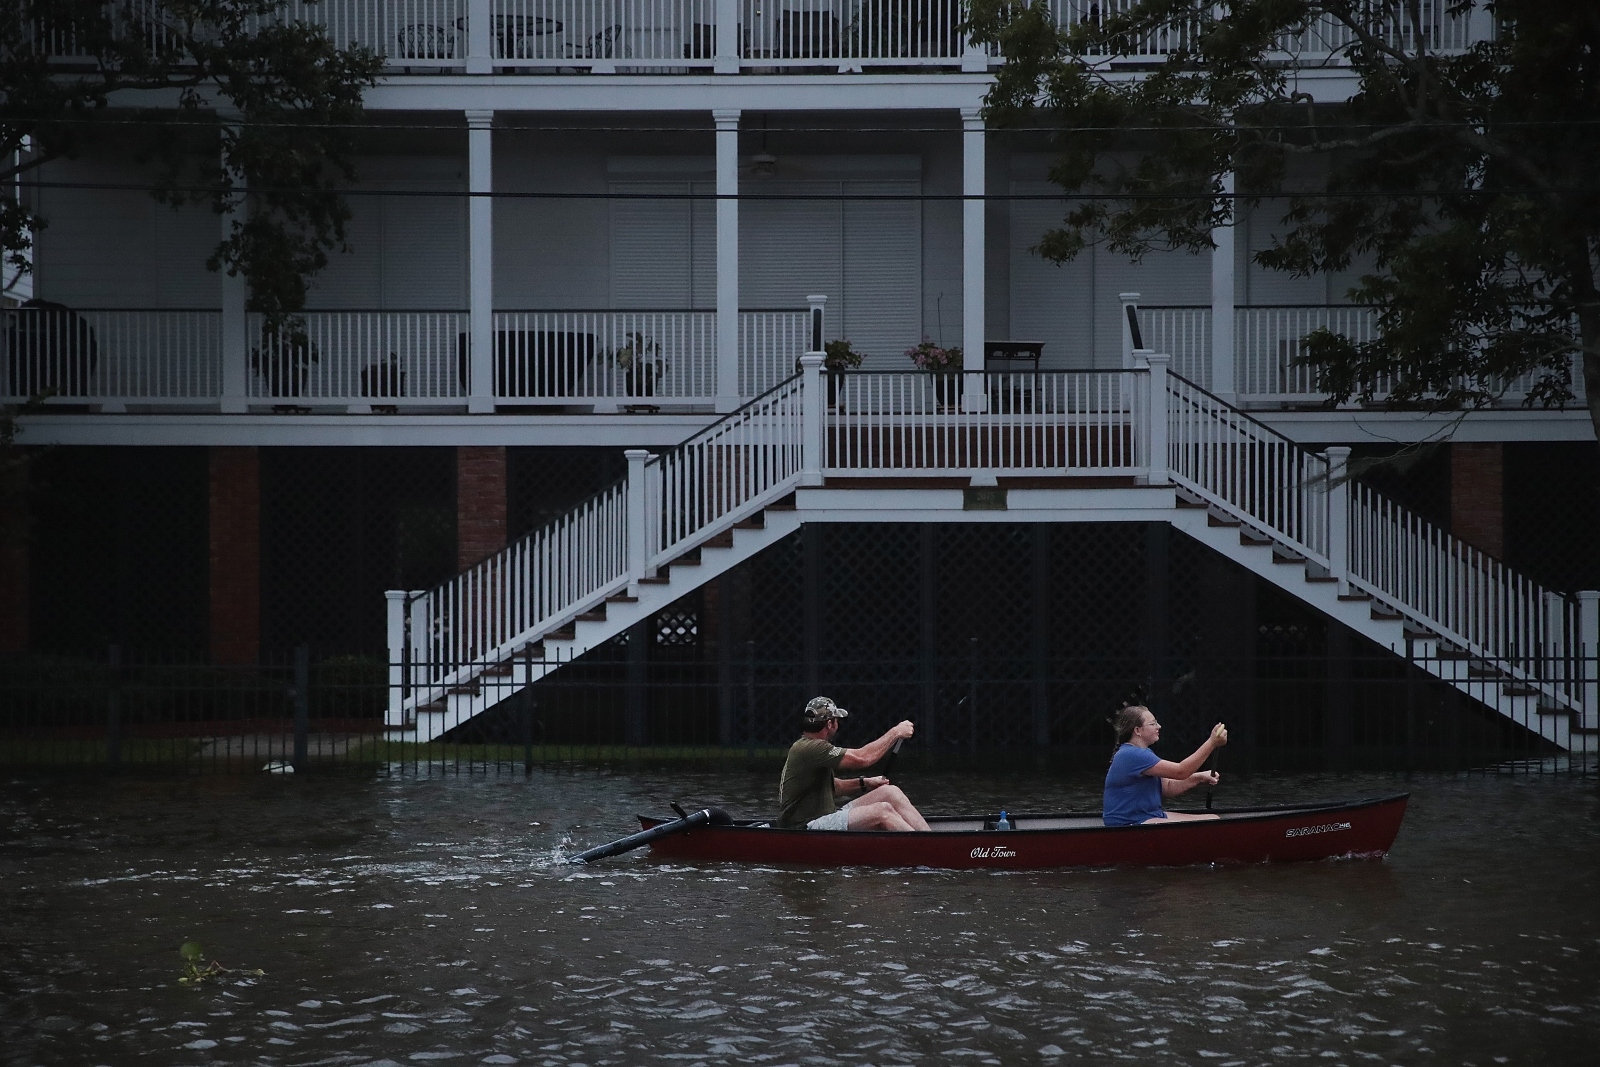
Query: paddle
point(712, 816)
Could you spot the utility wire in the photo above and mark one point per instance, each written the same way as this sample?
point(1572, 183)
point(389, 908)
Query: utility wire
point(524, 195)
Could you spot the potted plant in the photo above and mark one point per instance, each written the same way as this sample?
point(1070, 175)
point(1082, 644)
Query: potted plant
point(639, 359)
point(944, 364)
point(284, 359)
point(837, 357)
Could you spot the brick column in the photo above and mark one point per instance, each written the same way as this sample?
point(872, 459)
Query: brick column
point(480, 503)
point(1477, 495)
point(235, 550)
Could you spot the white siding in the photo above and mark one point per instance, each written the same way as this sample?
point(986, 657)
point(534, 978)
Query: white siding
point(1074, 308)
point(405, 252)
point(119, 248)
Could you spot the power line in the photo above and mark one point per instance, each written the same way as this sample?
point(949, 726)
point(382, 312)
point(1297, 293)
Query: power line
point(907, 196)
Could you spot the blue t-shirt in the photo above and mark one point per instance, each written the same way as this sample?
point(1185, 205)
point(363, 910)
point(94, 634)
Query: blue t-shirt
point(1131, 795)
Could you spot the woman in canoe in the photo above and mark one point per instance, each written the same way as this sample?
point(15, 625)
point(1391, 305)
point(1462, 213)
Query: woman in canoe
point(1139, 779)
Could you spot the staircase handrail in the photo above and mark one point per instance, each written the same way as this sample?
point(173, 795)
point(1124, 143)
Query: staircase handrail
point(1467, 596)
point(1298, 518)
point(1516, 639)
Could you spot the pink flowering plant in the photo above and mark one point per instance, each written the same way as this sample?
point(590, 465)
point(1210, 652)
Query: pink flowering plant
point(929, 356)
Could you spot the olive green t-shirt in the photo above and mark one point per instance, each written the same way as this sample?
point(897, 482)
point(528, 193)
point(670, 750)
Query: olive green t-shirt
point(806, 789)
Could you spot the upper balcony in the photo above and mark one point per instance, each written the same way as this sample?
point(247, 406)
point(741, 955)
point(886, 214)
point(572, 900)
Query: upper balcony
point(748, 36)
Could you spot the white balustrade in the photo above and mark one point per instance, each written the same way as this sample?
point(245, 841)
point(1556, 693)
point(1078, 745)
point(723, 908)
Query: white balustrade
point(485, 613)
point(111, 355)
point(374, 357)
point(727, 470)
point(422, 33)
point(1227, 457)
point(1056, 422)
point(682, 34)
point(1464, 595)
point(1184, 333)
point(626, 355)
point(1269, 344)
point(771, 343)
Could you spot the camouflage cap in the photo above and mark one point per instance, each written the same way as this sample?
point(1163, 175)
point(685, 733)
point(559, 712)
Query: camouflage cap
point(820, 709)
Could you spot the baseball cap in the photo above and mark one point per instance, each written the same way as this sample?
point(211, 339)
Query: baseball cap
point(820, 709)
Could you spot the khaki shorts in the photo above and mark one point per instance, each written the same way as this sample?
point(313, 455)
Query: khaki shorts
point(834, 820)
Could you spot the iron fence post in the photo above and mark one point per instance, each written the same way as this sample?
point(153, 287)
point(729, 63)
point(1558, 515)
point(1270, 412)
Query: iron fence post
point(302, 705)
point(114, 708)
point(529, 705)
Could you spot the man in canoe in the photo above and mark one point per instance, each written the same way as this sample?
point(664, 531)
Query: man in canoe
point(1138, 779)
point(809, 785)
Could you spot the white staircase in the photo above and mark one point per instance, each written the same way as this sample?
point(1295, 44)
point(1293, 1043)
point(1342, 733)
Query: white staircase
point(1135, 445)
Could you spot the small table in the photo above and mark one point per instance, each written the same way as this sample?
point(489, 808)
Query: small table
point(1016, 358)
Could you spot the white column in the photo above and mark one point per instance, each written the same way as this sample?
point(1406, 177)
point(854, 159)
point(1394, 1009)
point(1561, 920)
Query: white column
point(727, 258)
point(812, 403)
point(1129, 342)
point(1338, 498)
point(973, 396)
point(480, 259)
point(727, 52)
point(635, 505)
point(1157, 362)
point(396, 621)
point(480, 54)
point(1222, 304)
point(235, 352)
point(1588, 638)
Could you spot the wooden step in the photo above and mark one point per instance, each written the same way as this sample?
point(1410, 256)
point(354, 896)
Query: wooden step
point(437, 707)
point(471, 689)
point(1286, 555)
point(569, 632)
point(1380, 613)
point(1189, 500)
point(1548, 712)
point(1214, 519)
point(621, 598)
point(690, 558)
point(754, 522)
point(1253, 540)
point(1419, 633)
point(498, 670)
point(786, 504)
point(1320, 579)
point(597, 614)
point(663, 577)
point(1355, 595)
point(722, 540)
point(1519, 689)
point(1483, 670)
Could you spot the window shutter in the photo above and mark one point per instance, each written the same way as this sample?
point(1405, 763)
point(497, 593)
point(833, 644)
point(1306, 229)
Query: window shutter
point(652, 247)
point(882, 296)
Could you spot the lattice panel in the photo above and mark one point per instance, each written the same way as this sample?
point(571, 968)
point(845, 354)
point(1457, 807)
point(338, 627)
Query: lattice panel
point(545, 483)
point(119, 551)
point(1552, 513)
point(869, 630)
point(985, 591)
point(1097, 591)
point(341, 525)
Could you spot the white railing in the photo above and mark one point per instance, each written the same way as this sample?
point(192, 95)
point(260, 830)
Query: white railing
point(771, 343)
point(1466, 596)
point(1231, 459)
point(627, 355)
point(111, 355)
point(382, 357)
point(1269, 343)
point(608, 35)
point(852, 33)
point(724, 471)
point(1057, 422)
point(423, 33)
point(485, 613)
point(642, 34)
point(1184, 333)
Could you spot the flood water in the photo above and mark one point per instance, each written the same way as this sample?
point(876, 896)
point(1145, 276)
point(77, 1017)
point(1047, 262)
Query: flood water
point(413, 920)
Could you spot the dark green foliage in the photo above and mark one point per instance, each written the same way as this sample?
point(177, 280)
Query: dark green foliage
point(1461, 182)
point(251, 115)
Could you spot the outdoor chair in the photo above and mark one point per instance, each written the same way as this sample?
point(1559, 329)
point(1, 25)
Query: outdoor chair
point(702, 42)
point(1018, 361)
point(607, 44)
point(422, 40)
point(807, 35)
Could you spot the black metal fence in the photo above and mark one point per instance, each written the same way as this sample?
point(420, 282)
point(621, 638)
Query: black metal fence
point(1368, 711)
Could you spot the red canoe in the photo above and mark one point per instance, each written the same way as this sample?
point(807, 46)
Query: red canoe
point(1355, 829)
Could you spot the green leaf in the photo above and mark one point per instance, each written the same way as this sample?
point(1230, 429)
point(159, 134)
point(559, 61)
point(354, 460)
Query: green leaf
point(191, 951)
